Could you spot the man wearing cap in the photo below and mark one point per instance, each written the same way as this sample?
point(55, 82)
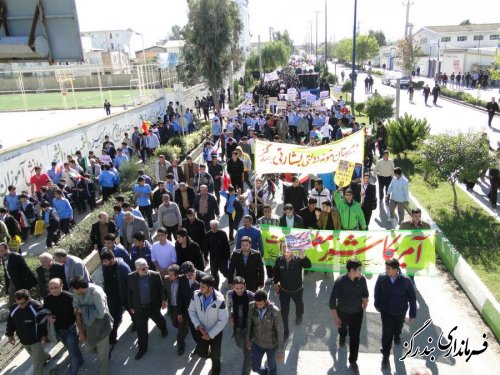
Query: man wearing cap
point(189, 281)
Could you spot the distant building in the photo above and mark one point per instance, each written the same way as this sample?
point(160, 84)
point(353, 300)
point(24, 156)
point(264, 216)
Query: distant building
point(245, 36)
point(172, 55)
point(150, 53)
point(109, 41)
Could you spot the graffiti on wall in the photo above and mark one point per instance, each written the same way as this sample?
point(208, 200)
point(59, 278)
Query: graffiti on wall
point(17, 165)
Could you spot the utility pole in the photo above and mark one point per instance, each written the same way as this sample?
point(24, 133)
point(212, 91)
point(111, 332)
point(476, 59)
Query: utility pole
point(270, 34)
point(326, 34)
point(316, 49)
point(407, 24)
point(311, 45)
point(353, 80)
point(260, 59)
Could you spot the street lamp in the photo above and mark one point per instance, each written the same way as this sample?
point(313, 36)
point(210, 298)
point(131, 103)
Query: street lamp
point(354, 53)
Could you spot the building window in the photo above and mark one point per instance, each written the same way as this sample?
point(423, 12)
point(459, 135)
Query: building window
point(494, 37)
point(423, 40)
point(110, 36)
point(478, 37)
point(461, 38)
point(112, 46)
point(445, 39)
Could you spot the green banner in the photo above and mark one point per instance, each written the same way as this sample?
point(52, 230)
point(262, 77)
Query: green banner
point(330, 250)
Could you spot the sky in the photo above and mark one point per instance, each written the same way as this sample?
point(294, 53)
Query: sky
point(154, 18)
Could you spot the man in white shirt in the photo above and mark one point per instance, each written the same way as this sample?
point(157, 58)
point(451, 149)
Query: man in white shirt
point(319, 192)
point(325, 131)
point(384, 170)
point(398, 192)
point(163, 252)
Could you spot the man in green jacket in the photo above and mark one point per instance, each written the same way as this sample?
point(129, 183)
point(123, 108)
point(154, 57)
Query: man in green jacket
point(351, 213)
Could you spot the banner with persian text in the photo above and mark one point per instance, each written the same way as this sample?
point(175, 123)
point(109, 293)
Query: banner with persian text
point(273, 157)
point(330, 250)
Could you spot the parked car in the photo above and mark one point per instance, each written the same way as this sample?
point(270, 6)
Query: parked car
point(386, 78)
point(403, 83)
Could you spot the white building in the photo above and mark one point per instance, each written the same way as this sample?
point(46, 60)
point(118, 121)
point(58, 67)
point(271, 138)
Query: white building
point(108, 40)
point(435, 39)
point(245, 36)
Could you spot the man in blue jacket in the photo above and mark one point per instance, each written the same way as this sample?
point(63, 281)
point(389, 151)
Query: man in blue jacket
point(64, 211)
point(393, 293)
point(115, 273)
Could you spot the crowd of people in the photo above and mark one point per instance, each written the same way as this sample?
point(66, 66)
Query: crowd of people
point(165, 247)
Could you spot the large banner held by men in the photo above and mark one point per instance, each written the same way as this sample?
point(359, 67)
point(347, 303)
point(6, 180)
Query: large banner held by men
point(273, 157)
point(329, 250)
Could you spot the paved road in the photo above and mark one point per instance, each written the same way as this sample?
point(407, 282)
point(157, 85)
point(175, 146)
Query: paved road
point(313, 346)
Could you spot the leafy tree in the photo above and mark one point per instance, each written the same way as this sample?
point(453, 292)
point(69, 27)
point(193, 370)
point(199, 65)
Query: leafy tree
point(465, 22)
point(284, 37)
point(346, 88)
point(274, 55)
point(406, 133)
point(176, 33)
point(360, 107)
point(455, 157)
point(408, 50)
point(212, 35)
point(379, 35)
point(366, 48)
point(379, 108)
point(343, 50)
point(236, 90)
point(331, 49)
point(495, 70)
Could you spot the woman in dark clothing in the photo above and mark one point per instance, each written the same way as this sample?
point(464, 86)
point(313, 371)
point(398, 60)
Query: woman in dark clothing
point(186, 249)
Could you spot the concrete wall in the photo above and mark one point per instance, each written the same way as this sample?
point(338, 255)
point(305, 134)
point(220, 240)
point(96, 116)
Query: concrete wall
point(18, 163)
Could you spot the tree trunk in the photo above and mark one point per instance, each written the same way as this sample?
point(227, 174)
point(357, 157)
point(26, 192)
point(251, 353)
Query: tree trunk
point(455, 199)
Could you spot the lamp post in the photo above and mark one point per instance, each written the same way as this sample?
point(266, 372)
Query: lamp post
point(326, 34)
point(353, 81)
point(316, 48)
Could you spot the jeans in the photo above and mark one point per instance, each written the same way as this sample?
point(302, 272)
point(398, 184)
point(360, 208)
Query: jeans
point(285, 306)
point(240, 337)
point(391, 327)
point(38, 356)
point(147, 212)
point(217, 265)
point(353, 323)
point(103, 349)
point(215, 351)
point(69, 338)
point(383, 181)
point(257, 354)
point(401, 210)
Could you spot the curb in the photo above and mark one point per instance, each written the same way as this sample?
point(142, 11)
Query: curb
point(479, 295)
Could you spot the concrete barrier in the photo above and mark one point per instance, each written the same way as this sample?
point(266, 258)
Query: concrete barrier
point(18, 162)
point(480, 296)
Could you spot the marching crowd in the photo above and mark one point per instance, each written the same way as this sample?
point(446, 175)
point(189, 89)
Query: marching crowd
point(163, 247)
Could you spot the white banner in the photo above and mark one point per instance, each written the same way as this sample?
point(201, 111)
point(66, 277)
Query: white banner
point(324, 95)
point(337, 89)
point(248, 96)
point(271, 77)
point(273, 100)
point(291, 90)
point(271, 157)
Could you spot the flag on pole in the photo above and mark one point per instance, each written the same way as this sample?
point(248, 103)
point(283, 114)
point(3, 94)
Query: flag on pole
point(226, 180)
point(145, 126)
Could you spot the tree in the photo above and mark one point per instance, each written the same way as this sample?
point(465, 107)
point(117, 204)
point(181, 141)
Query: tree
point(176, 33)
point(495, 69)
point(347, 88)
point(366, 48)
point(343, 50)
point(379, 108)
point(406, 133)
point(408, 50)
point(379, 35)
point(284, 37)
point(331, 49)
point(465, 22)
point(274, 55)
point(455, 157)
point(212, 35)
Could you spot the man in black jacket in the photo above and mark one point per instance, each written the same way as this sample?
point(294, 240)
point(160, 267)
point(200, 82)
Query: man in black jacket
point(189, 281)
point(290, 218)
point(215, 170)
point(366, 194)
point(52, 224)
point(47, 271)
point(100, 229)
point(308, 214)
point(247, 263)
point(22, 321)
point(393, 293)
point(188, 250)
point(235, 170)
point(146, 298)
point(296, 195)
point(288, 284)
point(196, 230)
point(115, 274)
point(206, 206)
point(217, 245)
point(17, 273)
point(184, 197)
point(348, 300)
